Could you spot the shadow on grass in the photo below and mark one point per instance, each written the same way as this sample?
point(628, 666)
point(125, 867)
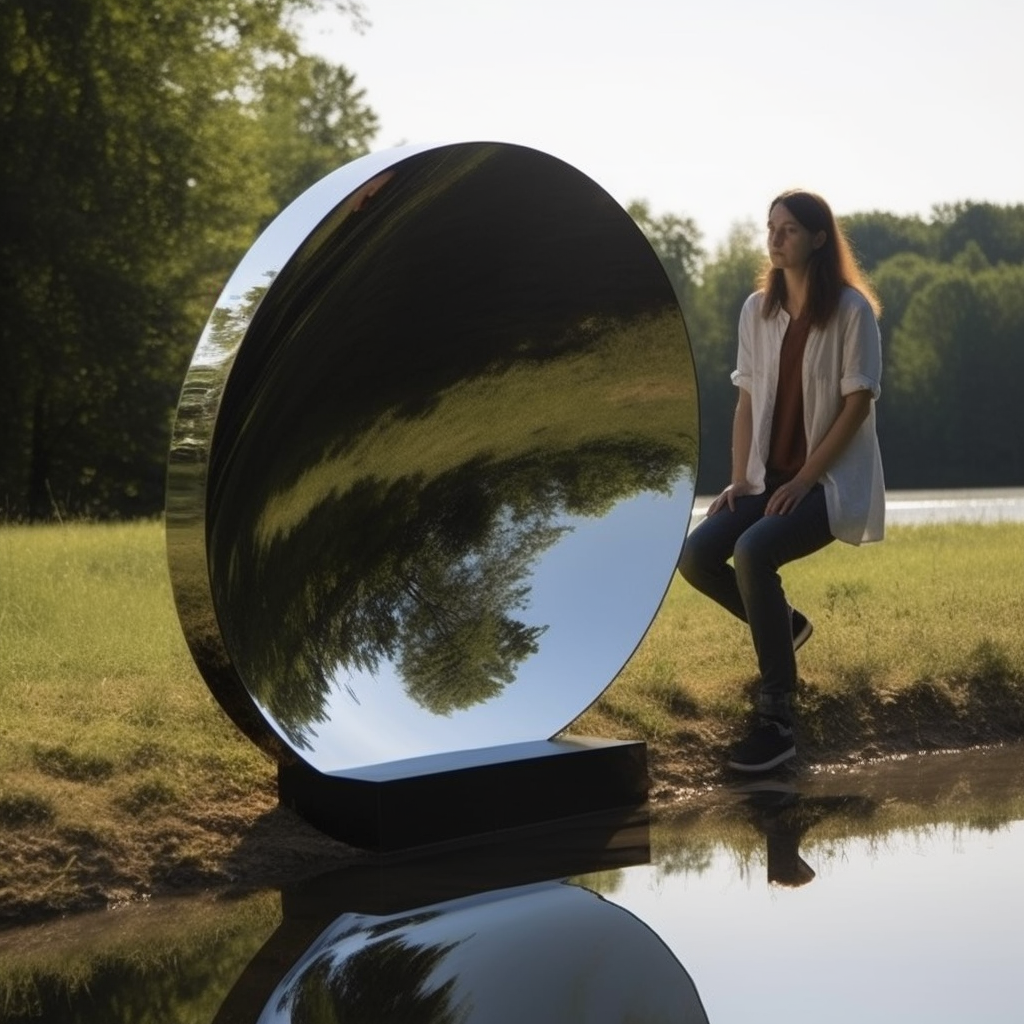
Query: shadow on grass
point(280, 847)
point(651, 712)
point(60, 762)
point(18, 810)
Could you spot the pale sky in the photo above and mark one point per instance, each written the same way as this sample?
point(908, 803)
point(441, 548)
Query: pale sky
point(709, 109)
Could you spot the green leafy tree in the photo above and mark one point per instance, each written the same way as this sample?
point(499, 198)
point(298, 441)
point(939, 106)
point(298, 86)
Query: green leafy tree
point(998, 231)
point(897, 280)
point(313, 118)
point(877, 236)
point(728, 280)
point(145, 145)
point(677, 241)
point(956, 357)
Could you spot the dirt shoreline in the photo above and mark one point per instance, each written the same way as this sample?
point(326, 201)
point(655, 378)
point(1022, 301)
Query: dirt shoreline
point(256, 844)
point(250, 843)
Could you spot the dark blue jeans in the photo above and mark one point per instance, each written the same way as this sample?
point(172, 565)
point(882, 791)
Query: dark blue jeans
point(750, 588)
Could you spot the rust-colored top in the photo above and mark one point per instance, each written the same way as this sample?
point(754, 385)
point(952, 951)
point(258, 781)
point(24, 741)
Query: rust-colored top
point(788, 450)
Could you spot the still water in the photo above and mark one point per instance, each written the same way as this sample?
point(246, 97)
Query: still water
point(888, 892)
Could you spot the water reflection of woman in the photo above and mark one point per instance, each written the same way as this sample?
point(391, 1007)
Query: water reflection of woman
point(806, 467)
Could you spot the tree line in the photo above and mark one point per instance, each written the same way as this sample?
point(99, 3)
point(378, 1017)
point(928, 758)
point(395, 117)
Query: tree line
point(952, 291)
point(146, 145)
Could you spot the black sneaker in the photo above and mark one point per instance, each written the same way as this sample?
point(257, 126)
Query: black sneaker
point(802, 628)
point(767, 746)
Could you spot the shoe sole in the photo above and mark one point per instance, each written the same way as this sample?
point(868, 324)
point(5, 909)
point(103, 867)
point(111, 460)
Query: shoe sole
point(765, 765)
point(772, 786)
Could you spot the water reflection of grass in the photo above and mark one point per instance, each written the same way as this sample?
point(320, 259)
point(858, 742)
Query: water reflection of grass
point(172, 961)
point(939, 799)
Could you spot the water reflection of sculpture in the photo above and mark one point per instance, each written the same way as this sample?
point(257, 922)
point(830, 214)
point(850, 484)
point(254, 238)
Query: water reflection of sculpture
point(325, 985)
point(551, 952)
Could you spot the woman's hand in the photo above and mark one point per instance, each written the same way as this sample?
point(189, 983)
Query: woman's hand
point(786, 497)
point(852, 413)
point(728, 497)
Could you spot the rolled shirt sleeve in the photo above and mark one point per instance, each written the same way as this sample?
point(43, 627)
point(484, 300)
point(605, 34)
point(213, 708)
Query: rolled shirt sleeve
point(862, 348)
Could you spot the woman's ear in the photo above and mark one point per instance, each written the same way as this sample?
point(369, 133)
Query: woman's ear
point(818, 240)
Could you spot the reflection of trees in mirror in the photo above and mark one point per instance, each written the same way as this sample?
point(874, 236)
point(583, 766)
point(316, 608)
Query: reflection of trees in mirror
point(204, 385)
point(458, 644)
point(425, 574)
point(228, 324)
point(386, 979)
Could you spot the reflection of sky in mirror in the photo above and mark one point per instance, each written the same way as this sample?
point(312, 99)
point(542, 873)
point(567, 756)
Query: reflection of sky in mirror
point(598, 590)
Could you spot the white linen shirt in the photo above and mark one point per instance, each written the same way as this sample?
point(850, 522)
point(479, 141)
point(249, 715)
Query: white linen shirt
point(840, 358)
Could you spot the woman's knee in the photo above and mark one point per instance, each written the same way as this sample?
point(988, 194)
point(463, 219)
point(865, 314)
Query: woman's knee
point(689, 562)
point(699, 559)
point(752, 555)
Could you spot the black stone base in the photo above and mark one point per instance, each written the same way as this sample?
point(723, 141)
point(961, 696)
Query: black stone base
point(449, 797)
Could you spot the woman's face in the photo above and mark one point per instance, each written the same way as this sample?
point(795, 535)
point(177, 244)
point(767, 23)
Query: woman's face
point(790, 244)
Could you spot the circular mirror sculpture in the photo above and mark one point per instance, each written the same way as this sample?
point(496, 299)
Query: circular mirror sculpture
point(433, 461)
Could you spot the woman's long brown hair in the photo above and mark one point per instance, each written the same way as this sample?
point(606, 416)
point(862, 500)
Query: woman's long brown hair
point(832, 265)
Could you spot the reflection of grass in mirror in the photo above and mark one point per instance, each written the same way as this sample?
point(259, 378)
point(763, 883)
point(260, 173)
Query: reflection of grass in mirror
point(917, 642)
point(552, 405)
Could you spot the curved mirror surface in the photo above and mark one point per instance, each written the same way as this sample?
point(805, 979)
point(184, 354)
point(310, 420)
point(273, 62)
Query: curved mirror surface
point(434, 458)
point(545, 953)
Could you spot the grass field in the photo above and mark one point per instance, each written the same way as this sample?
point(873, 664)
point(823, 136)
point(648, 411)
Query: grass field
point(96, 683)
point(917, 644)
point(119, 772)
